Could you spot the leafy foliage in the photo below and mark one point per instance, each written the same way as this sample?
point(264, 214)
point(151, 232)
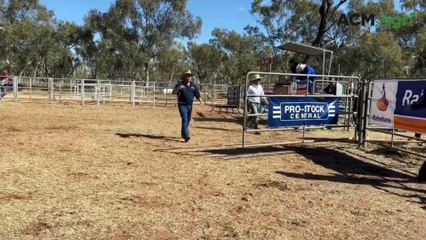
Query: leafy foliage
point(152, 40)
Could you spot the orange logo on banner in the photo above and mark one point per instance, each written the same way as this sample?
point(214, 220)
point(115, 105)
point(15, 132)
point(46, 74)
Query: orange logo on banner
point(383, 103)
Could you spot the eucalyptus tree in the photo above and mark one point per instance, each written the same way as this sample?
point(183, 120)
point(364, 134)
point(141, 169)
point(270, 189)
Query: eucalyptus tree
point(327, 11)
point(242, 53)
point(34, 42)
point(413, 38)
point(378, 55)
point(57, 48)
point(207, 61)
point(300, 21)
point(22, 23)
point(134, 32)
point(171, 61)
point(348, 39)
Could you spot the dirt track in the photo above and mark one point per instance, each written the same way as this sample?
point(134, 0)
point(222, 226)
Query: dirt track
point(117, 172)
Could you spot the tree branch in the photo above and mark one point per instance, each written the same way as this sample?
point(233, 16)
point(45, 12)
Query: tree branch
point(337, 7)
point(331, 25)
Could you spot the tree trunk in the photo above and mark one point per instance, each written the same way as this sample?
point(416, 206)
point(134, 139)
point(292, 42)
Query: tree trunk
point(322, 28)
point(35, 72)
point(326, 11)
point(323, 24)
point(170, 77)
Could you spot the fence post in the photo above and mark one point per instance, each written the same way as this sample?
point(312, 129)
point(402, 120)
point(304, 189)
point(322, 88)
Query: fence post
point(60, 92)
point(82, 91)
point(31, 87)
point(133, 92)
point(73, 84)
point(351, 105)
point(165, 93)
point(360, 112)
point(154, 93)
point(98, 91)
point(346, 120)
point(15, 89)
point(50, 89)
point(213, 97)
point(365, 100)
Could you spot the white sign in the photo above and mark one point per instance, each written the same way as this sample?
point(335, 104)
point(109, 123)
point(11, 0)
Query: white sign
point(383, 102)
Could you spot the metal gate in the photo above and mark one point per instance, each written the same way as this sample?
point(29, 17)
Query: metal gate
point(310, 106)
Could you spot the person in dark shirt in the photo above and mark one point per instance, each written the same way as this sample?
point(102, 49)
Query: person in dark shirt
point(331, 87)
point(186, 91)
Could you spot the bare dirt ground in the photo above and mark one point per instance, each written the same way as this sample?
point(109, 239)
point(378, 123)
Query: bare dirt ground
point(117, 172)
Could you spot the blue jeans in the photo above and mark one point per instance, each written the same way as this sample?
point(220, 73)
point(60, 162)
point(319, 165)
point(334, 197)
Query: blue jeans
point(185, 113)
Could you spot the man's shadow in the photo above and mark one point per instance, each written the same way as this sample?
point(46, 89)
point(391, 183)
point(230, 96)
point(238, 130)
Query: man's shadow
point(231, 119)
point(352, 170)
point(150, 136)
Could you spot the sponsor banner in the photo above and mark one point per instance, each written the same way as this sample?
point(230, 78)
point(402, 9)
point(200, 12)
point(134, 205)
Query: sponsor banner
point(410, 112)
point(383, 102)
point(417, 125)
point(399, 104)
point(411, 99)
point(288, 111)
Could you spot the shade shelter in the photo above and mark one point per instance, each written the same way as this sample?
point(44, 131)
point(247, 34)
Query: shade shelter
point(310, 51)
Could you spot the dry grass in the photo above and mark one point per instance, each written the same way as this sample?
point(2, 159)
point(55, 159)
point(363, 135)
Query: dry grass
point(116, 172)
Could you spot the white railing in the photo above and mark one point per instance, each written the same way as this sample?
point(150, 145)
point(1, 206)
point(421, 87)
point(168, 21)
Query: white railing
point(99, 91)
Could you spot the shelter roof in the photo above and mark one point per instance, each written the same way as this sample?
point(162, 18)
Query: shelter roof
point(304, 49)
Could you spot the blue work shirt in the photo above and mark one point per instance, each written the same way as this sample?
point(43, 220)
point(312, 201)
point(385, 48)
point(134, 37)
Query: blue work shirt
point(186, 93)
point(304, 79)
point(308, 70)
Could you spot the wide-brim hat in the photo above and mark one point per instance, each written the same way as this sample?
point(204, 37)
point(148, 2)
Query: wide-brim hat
point(256, 77)
point(186, 73)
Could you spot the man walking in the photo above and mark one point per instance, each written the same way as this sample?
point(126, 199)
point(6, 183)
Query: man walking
point(186, 91)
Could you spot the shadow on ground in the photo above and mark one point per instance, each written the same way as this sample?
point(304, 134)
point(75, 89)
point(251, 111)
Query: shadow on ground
point(219, 129)
point(339, 140)
point(150, 136)
point(352, 170)
point(246, 151)
point(221, 117)
point(226, 120)
point(227, 152)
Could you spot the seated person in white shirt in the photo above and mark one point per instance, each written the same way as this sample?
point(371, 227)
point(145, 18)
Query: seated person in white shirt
point(254, 102)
